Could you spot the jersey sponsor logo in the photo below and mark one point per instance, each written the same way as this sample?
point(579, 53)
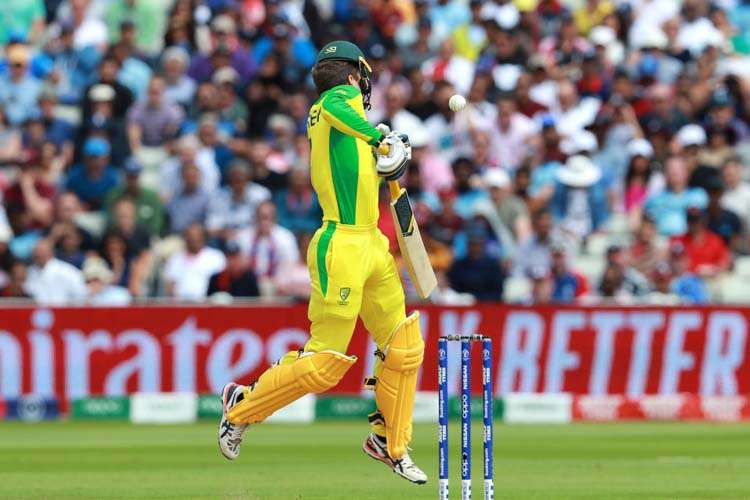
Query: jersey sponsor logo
point(344, 295)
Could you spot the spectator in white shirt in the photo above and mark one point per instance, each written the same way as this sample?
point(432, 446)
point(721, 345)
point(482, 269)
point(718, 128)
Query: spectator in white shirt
point(233, 207)
point(268, 246)
point(180, 88)
point(51, 281)
point(100, 291)
point(188, 271)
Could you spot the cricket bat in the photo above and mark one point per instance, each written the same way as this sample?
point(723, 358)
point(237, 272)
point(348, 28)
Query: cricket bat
point(410, 241)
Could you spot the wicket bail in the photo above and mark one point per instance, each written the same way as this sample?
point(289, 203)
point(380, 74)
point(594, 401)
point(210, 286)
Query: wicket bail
point(487, 419)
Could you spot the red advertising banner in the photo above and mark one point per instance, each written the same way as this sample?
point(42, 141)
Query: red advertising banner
point(69, 353)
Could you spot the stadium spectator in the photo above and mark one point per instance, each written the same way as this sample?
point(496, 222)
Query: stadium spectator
point(641, 179)
point(477, 273)
point(567, 285)
point(99, 290)
point(149, 209)
point(297, 204)
point(92, 180)
point(189, 205)
point(512, 134)
point(722, 222)
point(154, 121)
point(15, 284)
point(668, 208)
point(707, 254)
point(293, 279)
point(631, 281)
point(690, 287)
point(102, 122)
point(736, 196)
point(535, 252)
point(51, 281)
point(267, 246)
point(19, 88)
point(189, 152)
point(179, 88)
point(10, 140)
point(648, 248)
point(236, 279)
point(579, 203)
point(123, 96)
point(187, 272)
point(233, 207)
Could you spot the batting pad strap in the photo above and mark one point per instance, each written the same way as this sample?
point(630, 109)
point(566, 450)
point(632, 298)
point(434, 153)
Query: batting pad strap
point(397, 383)
point(286, 382)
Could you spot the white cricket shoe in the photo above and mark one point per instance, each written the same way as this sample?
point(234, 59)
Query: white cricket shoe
point(404, 467)
point(230, 435)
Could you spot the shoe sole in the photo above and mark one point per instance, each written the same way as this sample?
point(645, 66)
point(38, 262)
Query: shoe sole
point(224, 399)
point(376, 456)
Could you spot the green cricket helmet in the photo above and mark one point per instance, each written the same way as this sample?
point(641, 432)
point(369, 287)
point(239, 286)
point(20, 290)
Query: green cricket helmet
point(341, 50)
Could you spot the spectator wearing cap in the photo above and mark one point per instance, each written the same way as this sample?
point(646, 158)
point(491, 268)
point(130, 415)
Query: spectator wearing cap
point(102, 121)
point(508, 208)
point(188, 272)
point(707, 254)
point(233, 208)
point(720, 221)
point(736, 196)
point(568, 285)
point(95, 177)
point(154, 121)
point(297, 204)
point(236, 279)
point(512, 134)
point(722, 115)
point(641, 179)
point(99, 288)
point(123, 96)
point(477, 273)
point(505, 55)
point(650, 59)
point(690, 141)
point(19, 90)
point(267, 246)
point(668, 208)
point(190, 204)
point(51, 281)
point(579, 203)
point(149, 210)
point(179, 88)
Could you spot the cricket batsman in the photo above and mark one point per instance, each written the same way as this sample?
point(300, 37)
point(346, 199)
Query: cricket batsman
point(353, 274)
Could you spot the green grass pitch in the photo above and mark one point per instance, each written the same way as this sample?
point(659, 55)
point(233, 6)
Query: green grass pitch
point(324, 461)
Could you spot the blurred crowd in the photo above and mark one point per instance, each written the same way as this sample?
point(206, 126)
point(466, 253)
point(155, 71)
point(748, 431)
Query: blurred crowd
point(156, 148)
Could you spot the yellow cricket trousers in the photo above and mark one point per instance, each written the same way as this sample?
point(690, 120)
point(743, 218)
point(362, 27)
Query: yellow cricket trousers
point(353, 275)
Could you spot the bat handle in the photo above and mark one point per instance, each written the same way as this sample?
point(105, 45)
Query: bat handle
point(395, 188)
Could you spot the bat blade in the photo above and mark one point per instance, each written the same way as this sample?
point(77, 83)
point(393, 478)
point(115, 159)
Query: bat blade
point(410, 242)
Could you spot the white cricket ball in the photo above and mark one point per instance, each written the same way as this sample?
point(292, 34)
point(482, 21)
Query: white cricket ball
point(457, 102)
